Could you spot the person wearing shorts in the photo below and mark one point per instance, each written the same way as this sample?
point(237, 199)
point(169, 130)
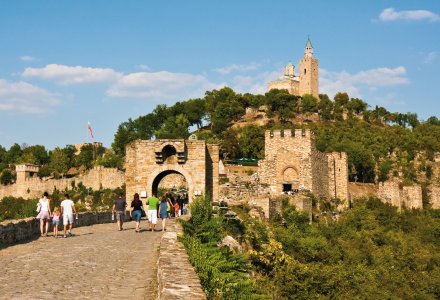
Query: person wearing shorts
point(44, 213)
point(136, 210)
point(119, 207)
point(163, 211)
point(67, 210)
point(153, 204)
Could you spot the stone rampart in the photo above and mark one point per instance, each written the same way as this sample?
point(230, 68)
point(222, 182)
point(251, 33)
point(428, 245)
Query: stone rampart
point(15, 231)
point(434, 193)
point(236, 193)
point(412, 197)
point(176, 276)
point(33, 187)
point(393, 193)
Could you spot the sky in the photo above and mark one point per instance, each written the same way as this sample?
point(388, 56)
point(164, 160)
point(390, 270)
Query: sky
point(66, 63)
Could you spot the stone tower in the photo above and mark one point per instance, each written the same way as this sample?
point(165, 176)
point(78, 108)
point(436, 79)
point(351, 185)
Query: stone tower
point(306, 82)
point(308, 72)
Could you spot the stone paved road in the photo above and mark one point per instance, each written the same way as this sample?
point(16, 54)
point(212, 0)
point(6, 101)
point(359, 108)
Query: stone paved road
point(98, 262)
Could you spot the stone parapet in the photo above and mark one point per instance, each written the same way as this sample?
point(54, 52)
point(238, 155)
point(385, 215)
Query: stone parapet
point(176, 276)
point(435, 197)
point(15, 231)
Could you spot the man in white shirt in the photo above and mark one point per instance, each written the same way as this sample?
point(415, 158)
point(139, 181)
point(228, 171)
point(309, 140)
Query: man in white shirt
point(67, 209)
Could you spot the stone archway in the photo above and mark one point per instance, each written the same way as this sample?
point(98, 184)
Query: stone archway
point(147, 162)
point(290, 176)
point(160, 173)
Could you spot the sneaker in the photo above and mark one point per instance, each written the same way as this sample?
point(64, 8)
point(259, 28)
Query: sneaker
point(64, 236)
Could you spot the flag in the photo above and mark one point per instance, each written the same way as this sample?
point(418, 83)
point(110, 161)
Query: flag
point(90, 129)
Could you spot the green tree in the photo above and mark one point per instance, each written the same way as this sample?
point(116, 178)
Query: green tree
point(14, 153)
point(309, 104)
point(59, 161)
point(281, 103)
point(341, 99)
point(357, 106)
point(110, 160)
point(251, 141)
point(174, 128)
point(325, 107)
point(7, 177)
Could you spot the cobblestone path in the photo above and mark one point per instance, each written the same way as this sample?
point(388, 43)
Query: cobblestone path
point(98, 262)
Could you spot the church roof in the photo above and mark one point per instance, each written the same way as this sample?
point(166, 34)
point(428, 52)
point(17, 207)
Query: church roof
point(308, 43)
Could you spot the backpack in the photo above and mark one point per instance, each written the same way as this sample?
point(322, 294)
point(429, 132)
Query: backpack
point(38, 207)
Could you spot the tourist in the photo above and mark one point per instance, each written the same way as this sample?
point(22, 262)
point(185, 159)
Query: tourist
point(153, 204)
point(67, 210)
point(176, 209)
point(136, 210)
point(119, 208)
point(43, 208)
point(180, 201)
point(173, 201)
point(56, 220)
point(164, 206)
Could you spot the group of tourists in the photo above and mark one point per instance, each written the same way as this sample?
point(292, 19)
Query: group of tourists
point(163, 208)
point(45, 214)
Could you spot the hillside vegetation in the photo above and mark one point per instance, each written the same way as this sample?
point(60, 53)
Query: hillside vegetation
point(371, 252)
point(380, 144)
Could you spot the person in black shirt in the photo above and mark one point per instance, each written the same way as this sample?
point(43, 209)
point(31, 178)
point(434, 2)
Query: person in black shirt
point(136, 210)
point(119, 207)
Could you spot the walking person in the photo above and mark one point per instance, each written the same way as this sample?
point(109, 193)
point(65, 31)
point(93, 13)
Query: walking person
point(153, 204)
point(56, 220)
point(165, 203)
point(67, 210)
point(136, 210)
point(119, 208)
point(180, 201)
point(43, 208)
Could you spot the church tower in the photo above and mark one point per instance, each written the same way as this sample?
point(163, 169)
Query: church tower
point(308, 72)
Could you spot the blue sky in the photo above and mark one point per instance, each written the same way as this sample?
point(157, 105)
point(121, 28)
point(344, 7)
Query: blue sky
point(64, 63)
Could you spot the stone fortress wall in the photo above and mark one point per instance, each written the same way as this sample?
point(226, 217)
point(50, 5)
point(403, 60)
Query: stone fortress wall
point(29, 185)
point(291, 158)
point(396, 194)
point(148, 162)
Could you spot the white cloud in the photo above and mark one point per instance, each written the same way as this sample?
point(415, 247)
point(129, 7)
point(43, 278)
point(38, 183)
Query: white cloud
point(67, 75)
point(25, 98)
point(27, 58)
point(255, 84)
point(143, 67)
point(237, 68)
point(390, 14)
point(430, 57)
point(161, 86)
point(332, 82)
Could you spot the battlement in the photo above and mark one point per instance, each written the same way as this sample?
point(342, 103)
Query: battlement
point(27, 168)
point(288, 133)
point(337, 156)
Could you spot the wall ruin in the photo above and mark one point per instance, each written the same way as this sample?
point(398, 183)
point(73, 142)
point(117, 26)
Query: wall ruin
point(29, 186)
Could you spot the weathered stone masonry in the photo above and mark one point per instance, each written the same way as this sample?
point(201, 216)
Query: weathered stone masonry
point(291, 159)
point(148, 162)
point(29, 185)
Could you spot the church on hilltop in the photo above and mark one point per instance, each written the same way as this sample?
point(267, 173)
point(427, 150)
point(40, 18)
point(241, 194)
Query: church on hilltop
point(307, 80)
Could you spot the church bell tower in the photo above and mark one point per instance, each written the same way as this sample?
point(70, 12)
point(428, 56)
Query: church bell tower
point(308, 72)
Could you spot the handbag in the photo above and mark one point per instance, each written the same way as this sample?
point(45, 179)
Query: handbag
point(38, 207)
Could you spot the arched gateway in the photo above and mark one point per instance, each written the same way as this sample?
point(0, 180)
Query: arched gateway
point(148, 162)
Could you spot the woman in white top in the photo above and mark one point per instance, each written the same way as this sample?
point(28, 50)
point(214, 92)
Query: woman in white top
point(44, 213)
